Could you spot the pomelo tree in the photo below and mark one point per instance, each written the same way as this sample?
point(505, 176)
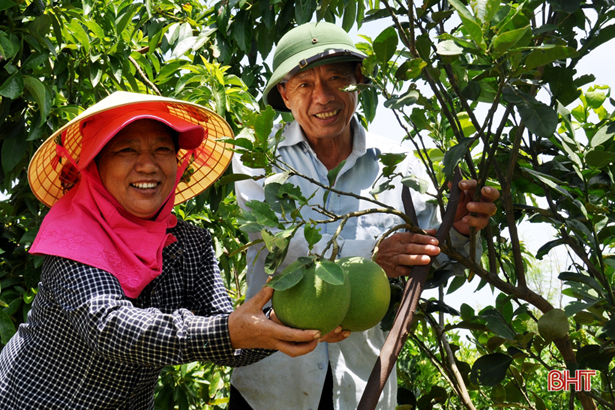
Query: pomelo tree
point(487, 86)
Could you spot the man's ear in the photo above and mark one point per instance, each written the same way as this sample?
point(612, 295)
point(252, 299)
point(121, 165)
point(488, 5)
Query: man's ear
point(359, 74)
point(283, 94)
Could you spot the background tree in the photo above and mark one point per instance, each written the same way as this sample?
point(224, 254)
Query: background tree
point(543, 142)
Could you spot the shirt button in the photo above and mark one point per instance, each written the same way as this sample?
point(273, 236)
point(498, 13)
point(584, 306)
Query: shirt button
point(321, 366)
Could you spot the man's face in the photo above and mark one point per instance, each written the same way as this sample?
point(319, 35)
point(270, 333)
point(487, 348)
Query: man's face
point(317, 103)
point(138, 167)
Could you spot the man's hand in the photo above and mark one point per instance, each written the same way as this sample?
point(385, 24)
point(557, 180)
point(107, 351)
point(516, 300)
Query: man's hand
point(249, 328)
point(484, 209)
point(399, 252)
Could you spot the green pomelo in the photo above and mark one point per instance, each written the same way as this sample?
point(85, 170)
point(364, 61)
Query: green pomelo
point(370, 293)
point(312, 303)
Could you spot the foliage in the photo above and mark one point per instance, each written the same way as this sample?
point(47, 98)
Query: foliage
point(488, 85)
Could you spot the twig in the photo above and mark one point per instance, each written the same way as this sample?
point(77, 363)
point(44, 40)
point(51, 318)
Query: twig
point(144, 76)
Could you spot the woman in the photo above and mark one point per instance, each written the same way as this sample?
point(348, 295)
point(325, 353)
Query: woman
point(126, 288)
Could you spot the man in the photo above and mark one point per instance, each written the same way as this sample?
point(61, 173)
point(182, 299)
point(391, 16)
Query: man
point(312, 63)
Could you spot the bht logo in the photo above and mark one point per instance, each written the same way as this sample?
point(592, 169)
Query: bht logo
point(562, 380)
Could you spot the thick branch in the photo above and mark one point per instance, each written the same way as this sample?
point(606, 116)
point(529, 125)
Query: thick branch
point(401, 325)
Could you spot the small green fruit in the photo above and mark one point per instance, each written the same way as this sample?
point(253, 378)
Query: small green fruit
point(312, 303)
point(370, 293)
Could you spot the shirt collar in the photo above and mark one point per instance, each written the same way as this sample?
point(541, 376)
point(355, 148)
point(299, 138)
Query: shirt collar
point(294, 135)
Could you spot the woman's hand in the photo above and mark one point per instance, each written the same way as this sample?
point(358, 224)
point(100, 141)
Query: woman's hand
point(249, 328)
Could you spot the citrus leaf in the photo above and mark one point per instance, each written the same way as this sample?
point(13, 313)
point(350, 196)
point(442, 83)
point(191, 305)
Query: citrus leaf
point(539, 118)
point(490, 370)
point(75, 28)
point(585, 279)
point(548, 54)
point(448, 48)
point(603, 135)
point(263, 213)
point(385, 44)
point(454, 155)
point(544, 249)
point(410, 69)
point(39, 92)
point(418, 184)
point(289, 276)
point(7, 328)
point(599, 159)
point(330, 272)
point(12, 86)
point(13, 150)
point(470, 23)
point(264, 123)
point(505, 41)
point(409, 98)
point(312, 235)
point(497, 324)
point(553, 325)
point(485, 10)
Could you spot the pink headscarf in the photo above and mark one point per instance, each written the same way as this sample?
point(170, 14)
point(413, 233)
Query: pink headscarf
point(88, 225)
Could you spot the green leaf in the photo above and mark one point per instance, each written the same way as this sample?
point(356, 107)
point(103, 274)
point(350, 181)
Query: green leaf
point(490, 370)
point(312, 235)
point(471, 24)
point(608, 330)
point(7, 49)
point(599, 159)
point(595, 357)
point(330, 272)
point(75, 28)
point(39, 92)
point(553, 325)
point(548, 54)
point(418, 184)
point(409, 98)
point(410, 69)
point(497, 324)
point(550, 181)
point(12, 86)
point(95, 29)
point(6, 4)
point(13, 150)
point(539, 118)
point(466, 123)
point(485, 10)
point(448, 48)
point(467, 312)
point(264, 123)
point(585, 279)
point(385, 44)
point(603, 135)
point(503, 42)
point(350, 14)
point(544, 249)
point(292, 274)
point(454, 155)
point(263, 213)
point(7, 328)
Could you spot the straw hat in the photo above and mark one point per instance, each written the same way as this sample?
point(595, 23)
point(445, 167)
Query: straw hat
point(52, 173)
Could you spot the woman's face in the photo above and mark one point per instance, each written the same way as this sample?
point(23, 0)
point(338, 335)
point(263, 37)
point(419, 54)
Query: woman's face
point(139, 166)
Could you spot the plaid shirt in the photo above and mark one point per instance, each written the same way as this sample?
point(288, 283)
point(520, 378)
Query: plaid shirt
point(87, 346)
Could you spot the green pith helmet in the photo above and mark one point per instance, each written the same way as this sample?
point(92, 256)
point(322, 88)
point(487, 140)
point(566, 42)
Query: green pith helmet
point(304, 47)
